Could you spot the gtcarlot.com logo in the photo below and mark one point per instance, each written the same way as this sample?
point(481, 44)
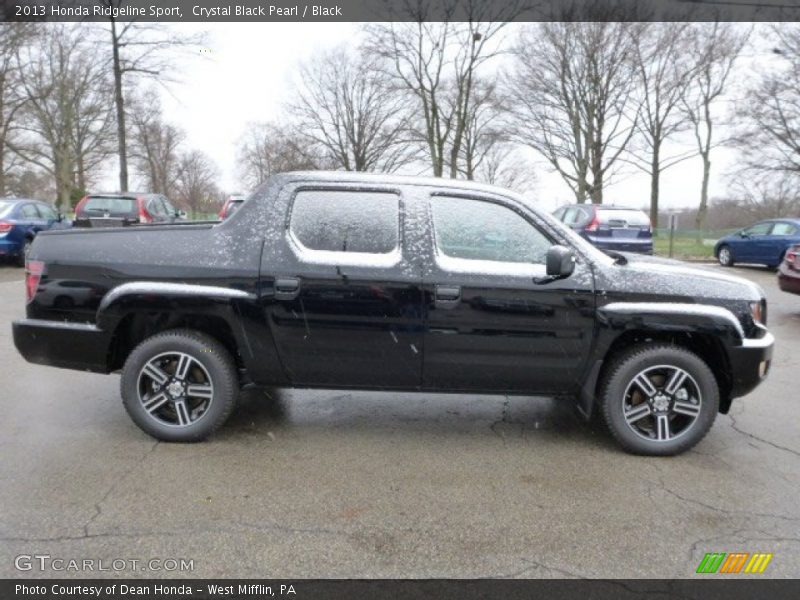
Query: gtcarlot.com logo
point(46, 562)
point(734, 562)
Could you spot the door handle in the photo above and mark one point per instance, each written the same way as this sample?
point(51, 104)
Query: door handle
point(287, 288)
point(447, 295)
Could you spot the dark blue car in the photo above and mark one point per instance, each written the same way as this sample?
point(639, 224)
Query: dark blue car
point(764, 243)
point(20, 221)
point(609, 227)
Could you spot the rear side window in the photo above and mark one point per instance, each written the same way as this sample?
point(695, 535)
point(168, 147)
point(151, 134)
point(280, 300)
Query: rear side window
point(784, 229)
point(29, 211)
point(104, 204)
point(345, 221)
point(622, 218)
point(483, 230)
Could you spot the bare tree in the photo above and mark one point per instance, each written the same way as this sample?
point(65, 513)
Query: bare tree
point(140, 51)
point(770, 137)
point(13, 36)
point(266, 149)
point(196, 182)
point(572, 91)
point(67, 99)
point(664, 69)
point(155, 146)
point(715, 46)
point(767, 195)
point(345, 105)
point(438, 63)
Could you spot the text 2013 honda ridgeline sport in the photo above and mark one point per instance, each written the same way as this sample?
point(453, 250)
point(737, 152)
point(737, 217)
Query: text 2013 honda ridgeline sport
point(340, 280)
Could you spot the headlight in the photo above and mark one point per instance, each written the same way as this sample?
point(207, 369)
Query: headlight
point(758, 312)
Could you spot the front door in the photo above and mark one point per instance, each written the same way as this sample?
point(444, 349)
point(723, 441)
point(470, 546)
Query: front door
point(493, 322)
point(346, 308)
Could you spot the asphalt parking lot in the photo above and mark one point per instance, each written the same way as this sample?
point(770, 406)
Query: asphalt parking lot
point(333, 484)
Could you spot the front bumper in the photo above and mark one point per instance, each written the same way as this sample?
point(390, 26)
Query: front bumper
point(750, 363)
point(80, 346)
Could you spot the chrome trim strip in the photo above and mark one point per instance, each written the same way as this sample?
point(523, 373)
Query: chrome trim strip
point(171, 289)
point(48, 324)
point(674, 308)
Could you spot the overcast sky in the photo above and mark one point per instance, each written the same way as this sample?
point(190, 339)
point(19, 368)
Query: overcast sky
point(244, 75)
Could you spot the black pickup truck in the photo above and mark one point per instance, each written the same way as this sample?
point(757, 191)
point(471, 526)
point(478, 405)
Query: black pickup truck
point(341, 280)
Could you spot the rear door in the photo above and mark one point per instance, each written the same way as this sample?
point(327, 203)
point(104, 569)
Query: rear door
point(491, 324)
point(782, 235)
point(343, 287)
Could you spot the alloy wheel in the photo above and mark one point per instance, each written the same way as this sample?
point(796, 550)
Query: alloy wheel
point(661, 403)
point(175, 389)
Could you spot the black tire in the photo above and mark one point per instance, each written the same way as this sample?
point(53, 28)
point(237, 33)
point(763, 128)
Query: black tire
point(210, 370)
point(725, 256)
point(666, 423)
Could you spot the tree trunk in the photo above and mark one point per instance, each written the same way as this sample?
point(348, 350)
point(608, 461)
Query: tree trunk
point(2, 171)
point(702, 211)
point(120, 102)
point(655, 177)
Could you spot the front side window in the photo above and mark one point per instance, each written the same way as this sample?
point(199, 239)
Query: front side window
point(346, 221)
point(759, 229)
point(486, 231)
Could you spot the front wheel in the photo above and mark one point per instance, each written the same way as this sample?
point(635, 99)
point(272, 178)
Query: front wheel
point(725, 256)
point(659, 400)
point(179, 386)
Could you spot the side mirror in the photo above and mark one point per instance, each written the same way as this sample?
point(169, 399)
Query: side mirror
point(180, 214)
point(560, 262)
point(744, 234)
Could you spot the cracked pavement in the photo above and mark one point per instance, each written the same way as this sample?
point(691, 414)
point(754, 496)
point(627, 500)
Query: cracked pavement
point(361, 484)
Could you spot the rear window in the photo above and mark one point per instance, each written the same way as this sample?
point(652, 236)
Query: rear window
point(344, 221)
point(634, 218)
point(5, 208)
point(112, 205)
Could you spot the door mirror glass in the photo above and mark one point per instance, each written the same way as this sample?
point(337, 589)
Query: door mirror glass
point(560, 261)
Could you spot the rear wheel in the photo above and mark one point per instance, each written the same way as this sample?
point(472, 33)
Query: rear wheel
point(179, 386)
point(659, 400)
point(725, 256)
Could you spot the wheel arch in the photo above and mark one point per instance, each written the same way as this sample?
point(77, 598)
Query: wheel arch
point(707, 332)
point(134, 311)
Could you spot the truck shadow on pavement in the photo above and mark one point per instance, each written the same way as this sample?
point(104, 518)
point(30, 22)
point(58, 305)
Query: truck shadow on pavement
point(276, 411)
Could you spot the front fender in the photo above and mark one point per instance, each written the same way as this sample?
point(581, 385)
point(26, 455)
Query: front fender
point(658, 319)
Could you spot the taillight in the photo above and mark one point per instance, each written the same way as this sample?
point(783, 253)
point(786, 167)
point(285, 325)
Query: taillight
point(144, 216)
point(33, 274)
point(222, 210)
point(5, 227)
point(791, 255)
point(81, 203)
point(594, 224)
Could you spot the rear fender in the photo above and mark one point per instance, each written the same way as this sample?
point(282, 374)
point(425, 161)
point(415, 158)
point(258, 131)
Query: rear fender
point(234, 306)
